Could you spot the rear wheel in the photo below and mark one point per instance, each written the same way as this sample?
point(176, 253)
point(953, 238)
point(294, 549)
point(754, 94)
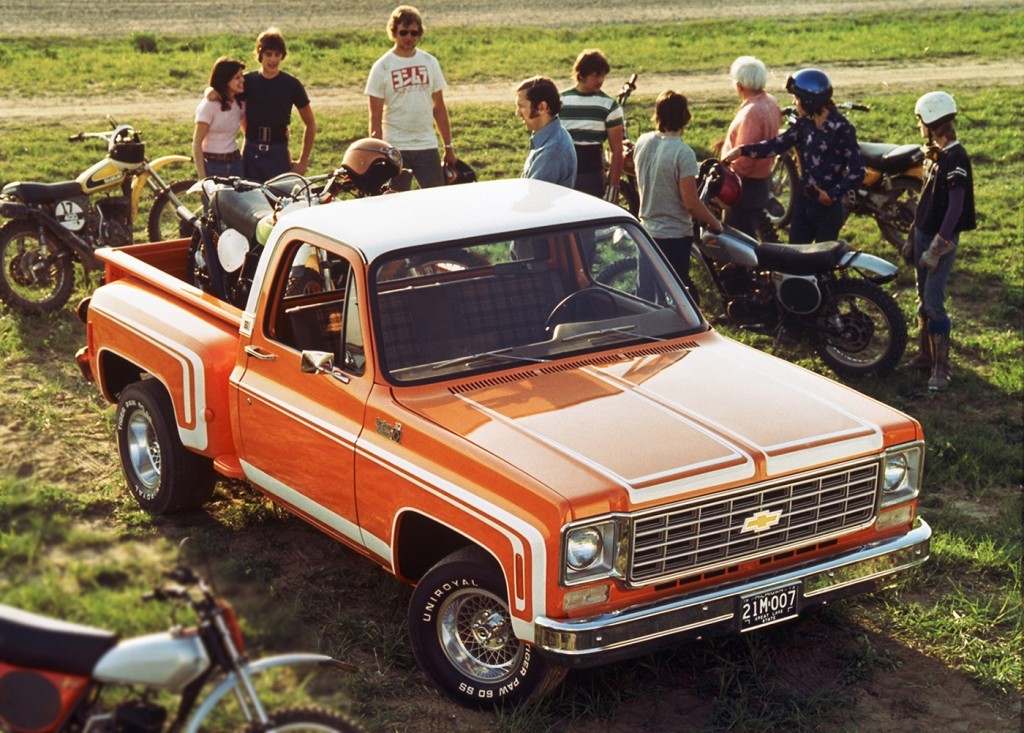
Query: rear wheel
point(897, 213)
point(863, 330)
point(163, 475)
point(784, 180)
point(164, 223)
point(461, 633)
point(36, 276)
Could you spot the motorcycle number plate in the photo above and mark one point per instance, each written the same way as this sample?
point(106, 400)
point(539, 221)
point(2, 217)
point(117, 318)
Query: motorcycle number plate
point(70, 215)
point(768, 607)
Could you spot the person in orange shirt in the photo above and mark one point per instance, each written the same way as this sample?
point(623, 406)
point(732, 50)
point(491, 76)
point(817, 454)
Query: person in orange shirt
point(758, 118)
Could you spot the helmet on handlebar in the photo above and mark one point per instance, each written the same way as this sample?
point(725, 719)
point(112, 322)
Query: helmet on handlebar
point(934, 109)
point(125, 147)
point(459, 173)
point(719, 183)
point(370, 163)
point(812, 87)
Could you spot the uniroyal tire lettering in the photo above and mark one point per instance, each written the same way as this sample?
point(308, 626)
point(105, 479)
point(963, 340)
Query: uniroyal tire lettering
point(445, 588)
point(129, 406)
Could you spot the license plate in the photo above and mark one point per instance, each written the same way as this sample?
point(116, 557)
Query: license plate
point(768, 607)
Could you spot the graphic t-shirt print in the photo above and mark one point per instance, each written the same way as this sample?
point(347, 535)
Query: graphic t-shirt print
point(409, 78)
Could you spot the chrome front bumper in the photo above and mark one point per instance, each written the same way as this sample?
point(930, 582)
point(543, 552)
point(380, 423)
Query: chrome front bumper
point(641, 629)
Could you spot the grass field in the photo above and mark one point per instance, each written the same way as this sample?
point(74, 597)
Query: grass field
point(941, 651)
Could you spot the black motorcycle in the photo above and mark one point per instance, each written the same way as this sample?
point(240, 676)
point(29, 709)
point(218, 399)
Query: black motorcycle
point(826, 293)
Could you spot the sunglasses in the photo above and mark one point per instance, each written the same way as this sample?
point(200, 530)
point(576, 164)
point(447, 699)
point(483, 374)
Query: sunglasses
point(404, 33)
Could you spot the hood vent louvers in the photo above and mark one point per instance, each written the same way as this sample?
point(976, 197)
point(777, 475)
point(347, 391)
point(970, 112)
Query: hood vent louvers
point(570, 365)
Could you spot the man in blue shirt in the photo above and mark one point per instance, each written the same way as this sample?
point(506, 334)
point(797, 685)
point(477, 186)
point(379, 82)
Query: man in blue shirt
point(552, 156)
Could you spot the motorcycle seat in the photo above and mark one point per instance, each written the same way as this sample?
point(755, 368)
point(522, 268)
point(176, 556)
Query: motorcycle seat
point(890, 158)
point(38, 192)
point(801, 259)
point(241, 210)
point(40, 642)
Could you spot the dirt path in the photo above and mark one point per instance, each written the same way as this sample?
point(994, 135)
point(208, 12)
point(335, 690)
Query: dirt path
point(863, 80)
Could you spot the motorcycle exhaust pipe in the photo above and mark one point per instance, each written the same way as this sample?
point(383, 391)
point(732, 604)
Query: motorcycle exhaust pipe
point(70, 240)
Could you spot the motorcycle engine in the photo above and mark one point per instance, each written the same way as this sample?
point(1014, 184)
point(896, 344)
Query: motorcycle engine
point(139, 716)
point(797, 294)
point(114, 228)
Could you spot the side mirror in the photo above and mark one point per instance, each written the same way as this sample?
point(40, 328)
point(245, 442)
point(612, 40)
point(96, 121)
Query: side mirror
point(321, 362)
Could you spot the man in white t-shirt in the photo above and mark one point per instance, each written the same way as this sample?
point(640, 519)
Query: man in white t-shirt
point(406, 96)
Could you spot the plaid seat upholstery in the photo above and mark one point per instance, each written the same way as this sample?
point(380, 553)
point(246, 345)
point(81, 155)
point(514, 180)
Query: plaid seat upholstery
point(446, 320)
point(317, 327)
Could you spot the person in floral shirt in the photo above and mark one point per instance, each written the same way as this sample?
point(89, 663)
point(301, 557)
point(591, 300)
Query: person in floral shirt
point(830, 161)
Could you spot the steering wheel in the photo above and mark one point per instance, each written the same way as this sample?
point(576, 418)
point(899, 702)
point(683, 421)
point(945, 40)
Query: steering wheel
point(579, 305)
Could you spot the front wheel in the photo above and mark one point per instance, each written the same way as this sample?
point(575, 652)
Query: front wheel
point(36, 275)
point(461, 633)
point(164, 223)
point(785, 176)
point(629, 196)
point(299, 719)
point(862, 330)
point(163, 475)
point(897, 213)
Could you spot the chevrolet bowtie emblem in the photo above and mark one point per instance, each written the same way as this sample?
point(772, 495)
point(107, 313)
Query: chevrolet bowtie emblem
point(761, 521)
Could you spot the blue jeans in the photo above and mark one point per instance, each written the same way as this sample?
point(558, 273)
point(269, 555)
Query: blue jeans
point(262, 165)
point(224, 170)
point(424, 164)
point(813, 222)
point(931, 286)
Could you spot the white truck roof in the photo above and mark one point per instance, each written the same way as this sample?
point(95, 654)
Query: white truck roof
point(379, 224)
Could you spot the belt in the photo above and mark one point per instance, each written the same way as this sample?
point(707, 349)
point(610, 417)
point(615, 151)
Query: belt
point(222, 157)
point(263, 147)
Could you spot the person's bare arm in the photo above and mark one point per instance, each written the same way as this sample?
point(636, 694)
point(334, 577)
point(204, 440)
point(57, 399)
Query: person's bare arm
point(301, 165)
point(444, 127)
point(197, 147)
point(696, 207)
point(376, 117)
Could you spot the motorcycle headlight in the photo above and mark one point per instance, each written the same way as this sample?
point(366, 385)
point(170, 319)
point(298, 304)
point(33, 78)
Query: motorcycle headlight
point(591, 551)
point(901, 473)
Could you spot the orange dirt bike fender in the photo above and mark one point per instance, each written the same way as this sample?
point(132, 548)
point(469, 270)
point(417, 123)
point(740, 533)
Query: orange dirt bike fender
point(142, 179)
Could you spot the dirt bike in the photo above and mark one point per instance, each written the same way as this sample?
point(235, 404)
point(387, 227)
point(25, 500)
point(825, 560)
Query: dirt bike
point(629, 190)
point(53, 674)
point(888, 193)
point(826, 293)
point(54, 224)
point(238, 216)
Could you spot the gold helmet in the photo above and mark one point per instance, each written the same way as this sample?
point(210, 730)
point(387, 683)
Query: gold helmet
point(370, 163)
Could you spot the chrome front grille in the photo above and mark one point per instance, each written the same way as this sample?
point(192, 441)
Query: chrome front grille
point(721, 529)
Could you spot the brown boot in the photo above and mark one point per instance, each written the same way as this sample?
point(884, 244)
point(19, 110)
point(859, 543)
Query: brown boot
point(940, 379)
point(923, 361)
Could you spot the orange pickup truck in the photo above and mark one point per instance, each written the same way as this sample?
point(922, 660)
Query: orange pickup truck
point(570, 468)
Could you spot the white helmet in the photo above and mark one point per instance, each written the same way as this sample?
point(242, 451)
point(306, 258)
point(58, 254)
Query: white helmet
point(935, 108)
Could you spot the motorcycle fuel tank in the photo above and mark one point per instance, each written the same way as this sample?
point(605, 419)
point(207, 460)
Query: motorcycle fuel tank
point(167, 660)
point(730, 247)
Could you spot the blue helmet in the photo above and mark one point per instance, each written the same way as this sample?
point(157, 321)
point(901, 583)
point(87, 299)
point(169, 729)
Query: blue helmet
point(812, 87)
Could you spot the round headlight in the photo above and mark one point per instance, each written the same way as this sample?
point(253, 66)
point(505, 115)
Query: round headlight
point(583, 548)
point(895, 471)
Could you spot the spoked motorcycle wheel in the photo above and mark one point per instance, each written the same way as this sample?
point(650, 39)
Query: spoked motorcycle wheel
point(898, 211)
point(863, 330)
point(305, 720)
point(164, 223)
point(35, 276)
point(784, 179)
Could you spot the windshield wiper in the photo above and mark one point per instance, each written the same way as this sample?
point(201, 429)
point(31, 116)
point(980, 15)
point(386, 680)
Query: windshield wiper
point(500, 353)
point(619, 331)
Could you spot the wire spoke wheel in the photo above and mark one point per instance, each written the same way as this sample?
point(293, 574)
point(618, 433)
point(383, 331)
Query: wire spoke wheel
point(35, 276)
point(476, 634)
point(863, 330)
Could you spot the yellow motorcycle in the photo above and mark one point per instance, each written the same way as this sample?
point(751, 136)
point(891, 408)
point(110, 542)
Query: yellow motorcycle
point(54, 224)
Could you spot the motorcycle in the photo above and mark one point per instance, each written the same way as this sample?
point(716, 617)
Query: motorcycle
point(826, 293)
point(53, 674)
point(888, 193)
point(238, 216)
point(629, 189)
point(54, 224)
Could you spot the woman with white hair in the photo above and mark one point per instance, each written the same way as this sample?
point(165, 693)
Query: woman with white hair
point(758, 118)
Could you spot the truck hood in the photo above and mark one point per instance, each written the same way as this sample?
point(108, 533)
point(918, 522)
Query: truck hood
point(616, 432)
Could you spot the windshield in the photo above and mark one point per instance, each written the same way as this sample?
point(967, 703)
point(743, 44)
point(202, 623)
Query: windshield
point(462, 309)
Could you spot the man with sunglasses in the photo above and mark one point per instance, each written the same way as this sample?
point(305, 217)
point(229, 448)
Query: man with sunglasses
point(405, 91)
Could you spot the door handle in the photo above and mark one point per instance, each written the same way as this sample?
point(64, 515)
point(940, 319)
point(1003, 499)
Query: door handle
point(257, 353)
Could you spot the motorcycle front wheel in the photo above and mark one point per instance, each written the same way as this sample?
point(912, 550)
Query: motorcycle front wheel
point(897, 213)
point(35, 276)
point(863, 330)
point(784, 180)
point(300, 719)
point(164, 223)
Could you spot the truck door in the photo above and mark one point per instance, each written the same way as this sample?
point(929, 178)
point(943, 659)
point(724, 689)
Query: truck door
point(298, 430)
